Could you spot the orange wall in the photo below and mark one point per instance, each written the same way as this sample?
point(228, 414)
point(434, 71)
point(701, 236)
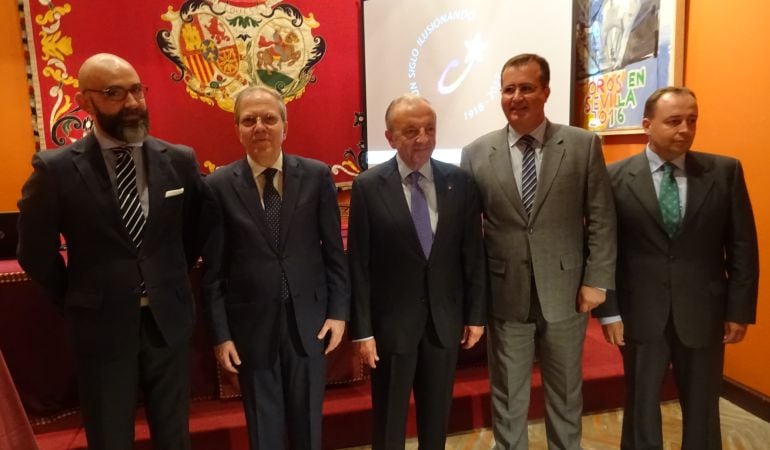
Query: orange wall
point(726, 64)
point(15, 118)
point(726, 51)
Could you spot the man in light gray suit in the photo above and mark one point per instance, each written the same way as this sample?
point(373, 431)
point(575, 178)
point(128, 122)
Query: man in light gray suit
point(549, 229)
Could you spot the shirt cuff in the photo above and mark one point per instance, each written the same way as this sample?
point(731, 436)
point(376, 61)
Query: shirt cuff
point(609, 319)
point(597, 287)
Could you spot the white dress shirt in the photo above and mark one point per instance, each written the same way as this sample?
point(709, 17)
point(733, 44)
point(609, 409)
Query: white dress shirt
point(257, 171)
point(427, 184)
point(656, 168)
point(107, 145)
point(517, 152)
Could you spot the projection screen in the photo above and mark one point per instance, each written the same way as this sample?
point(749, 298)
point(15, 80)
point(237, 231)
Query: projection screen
point(451, 52)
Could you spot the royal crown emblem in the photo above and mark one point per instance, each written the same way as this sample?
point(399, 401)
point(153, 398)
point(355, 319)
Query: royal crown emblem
point(222, 46)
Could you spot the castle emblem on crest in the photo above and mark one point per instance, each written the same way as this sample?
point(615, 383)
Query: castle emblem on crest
point(222, 46)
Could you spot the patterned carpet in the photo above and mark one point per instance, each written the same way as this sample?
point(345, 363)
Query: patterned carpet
point(740, 431)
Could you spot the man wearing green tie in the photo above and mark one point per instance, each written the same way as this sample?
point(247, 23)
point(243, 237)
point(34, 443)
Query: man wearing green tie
point(687, 272)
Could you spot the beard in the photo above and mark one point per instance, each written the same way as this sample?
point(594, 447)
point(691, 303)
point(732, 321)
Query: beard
point(128, 125)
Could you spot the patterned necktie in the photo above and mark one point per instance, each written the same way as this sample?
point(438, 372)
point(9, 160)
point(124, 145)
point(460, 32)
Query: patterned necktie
point(420, 215)
point(528, 173)
point(128, 196)
point(668, 198)
point(272, 203)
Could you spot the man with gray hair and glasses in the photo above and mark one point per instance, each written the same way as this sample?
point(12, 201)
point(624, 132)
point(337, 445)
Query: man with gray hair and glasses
point(275, 277)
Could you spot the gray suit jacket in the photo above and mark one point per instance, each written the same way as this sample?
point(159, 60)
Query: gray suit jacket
point(570, 238)
point(705, 274)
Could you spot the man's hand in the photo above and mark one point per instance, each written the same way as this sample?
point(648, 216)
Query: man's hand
point(336, 328)
point(367, 350)
point(471, 335)
point(613, 333)
point(227, 356)
point(589, 298)
point(734, 332)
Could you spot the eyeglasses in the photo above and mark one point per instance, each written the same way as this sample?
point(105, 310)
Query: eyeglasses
point(119, 93)
point(267, 120)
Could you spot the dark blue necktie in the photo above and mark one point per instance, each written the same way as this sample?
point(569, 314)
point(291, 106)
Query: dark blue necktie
point(420, 214)
point(272, 203)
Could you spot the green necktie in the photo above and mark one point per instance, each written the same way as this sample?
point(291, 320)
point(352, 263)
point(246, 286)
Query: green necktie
point(668, 198)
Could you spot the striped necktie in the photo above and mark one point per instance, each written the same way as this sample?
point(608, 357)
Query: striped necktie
point(128, 196)
point(528, 172)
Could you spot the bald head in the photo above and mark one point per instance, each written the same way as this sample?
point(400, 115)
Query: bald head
point(100, 71)
point(113, 95)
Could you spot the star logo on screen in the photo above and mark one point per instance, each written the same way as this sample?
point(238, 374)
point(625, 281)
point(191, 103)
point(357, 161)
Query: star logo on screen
point(474, 52)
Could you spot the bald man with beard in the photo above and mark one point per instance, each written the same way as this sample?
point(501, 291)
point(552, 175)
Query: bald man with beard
point(127, 205)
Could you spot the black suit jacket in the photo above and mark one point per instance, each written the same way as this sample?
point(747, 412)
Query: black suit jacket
point(98, 285)
point(390, 275)
point(705, 274)
point(242, 266)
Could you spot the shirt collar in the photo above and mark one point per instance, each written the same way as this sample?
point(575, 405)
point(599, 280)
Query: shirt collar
point(107, 142)
point(257, 169)
point(656, 162)
point(426, 170)
point(538, 133)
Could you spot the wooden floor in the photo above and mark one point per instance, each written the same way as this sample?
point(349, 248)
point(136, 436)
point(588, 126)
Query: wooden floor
point(740, 431)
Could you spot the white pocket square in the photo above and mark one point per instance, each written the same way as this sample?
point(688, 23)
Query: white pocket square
point(174, 192)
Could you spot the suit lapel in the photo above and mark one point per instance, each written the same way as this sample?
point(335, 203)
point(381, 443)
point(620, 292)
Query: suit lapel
point(392, 192)
point(502, 167)
point(292, 180)
point(639, 179)
point(553, 154)
point(90, 164)
point(699, 183)
point(246, 190)
point(160, 178)
point(444, 198)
